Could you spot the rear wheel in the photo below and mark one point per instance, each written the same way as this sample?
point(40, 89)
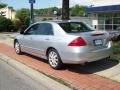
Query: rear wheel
point(17, 48)
point(54, 59)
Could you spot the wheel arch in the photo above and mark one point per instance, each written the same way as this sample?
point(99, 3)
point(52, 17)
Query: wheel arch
point(54, 49)
point(49, 49)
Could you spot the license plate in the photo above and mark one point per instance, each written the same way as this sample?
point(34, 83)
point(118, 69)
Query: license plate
point(98, 42)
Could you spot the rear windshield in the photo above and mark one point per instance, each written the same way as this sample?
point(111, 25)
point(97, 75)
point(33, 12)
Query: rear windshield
point(75, 27)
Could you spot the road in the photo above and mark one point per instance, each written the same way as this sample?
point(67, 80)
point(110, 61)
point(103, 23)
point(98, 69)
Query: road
point(11, 79)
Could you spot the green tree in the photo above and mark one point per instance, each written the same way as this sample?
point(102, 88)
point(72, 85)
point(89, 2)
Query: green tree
point(22, 17)
point(2, 5)
point(78, 10)
point(65, 10)
point(6, 25)
point(47, 11)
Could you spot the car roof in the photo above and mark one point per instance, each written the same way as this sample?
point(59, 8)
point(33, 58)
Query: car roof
point(58, 21)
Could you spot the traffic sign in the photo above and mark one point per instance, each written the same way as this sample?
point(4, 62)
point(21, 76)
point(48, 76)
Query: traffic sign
point(31, 1)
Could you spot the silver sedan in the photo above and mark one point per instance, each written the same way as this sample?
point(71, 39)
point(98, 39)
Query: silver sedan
point(63, 42)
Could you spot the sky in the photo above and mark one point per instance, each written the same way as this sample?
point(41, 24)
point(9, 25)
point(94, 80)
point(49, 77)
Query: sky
point(17, 4)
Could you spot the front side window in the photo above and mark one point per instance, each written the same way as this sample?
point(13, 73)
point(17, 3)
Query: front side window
point(32, 30)
point(75, 27)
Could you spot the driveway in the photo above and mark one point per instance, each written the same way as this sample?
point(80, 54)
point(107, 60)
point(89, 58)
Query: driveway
point(82, 77)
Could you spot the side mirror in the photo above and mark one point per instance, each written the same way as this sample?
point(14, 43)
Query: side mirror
point(21, 32)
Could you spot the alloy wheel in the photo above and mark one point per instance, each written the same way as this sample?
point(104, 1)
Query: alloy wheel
point(54, 59)
point(17, 48)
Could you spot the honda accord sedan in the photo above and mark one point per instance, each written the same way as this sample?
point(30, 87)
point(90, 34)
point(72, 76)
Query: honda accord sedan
point(63, 42)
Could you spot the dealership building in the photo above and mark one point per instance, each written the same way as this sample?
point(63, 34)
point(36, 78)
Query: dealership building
point(106, 14)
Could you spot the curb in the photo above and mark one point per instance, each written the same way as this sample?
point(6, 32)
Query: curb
point(33, 74)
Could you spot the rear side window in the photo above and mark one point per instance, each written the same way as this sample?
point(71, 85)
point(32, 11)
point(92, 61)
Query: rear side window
point(44, 29)
point(75, 27)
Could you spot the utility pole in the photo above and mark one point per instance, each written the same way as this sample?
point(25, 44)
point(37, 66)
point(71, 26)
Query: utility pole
point(65, 10)
point(31, 11)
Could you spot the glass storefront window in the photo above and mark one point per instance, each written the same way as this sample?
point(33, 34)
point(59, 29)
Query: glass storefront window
point(116, 20)
point(115, 27)
point(108, 21)
point(116, 15)
point(108, 16)
point(100, 27)
point(108, 27)
point(101, 21)
point(101, 15)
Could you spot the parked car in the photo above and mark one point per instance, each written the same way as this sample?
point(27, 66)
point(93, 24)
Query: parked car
point(118, 29)
point(115, 34)
point(63, 42)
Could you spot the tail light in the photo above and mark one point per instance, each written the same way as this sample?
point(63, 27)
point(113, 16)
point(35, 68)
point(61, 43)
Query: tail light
point(78, 42)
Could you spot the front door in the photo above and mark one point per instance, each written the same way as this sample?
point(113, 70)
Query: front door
point(27, 39)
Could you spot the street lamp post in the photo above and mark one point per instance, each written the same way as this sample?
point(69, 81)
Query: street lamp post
point(31, 11)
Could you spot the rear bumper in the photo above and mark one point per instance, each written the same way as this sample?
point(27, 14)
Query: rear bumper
point(83, 57)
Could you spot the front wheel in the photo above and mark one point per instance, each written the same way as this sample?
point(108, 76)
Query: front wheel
point(54, 59)
point(17, 48)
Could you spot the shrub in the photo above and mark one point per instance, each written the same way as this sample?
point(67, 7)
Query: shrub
point(50, 18)
point(44, 19)
point(116, 47)
point(22, 21)
point(6, 25)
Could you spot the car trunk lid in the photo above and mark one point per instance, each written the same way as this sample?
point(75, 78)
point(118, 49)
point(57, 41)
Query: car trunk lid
point(94, 39)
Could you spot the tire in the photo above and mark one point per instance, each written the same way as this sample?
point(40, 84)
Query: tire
point(54, 59)
point(17, 48)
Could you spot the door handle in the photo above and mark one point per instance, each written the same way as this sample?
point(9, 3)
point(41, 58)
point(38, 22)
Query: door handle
point(47, 39)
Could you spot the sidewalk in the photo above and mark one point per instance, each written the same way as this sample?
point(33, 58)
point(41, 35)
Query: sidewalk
point(75, 77)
